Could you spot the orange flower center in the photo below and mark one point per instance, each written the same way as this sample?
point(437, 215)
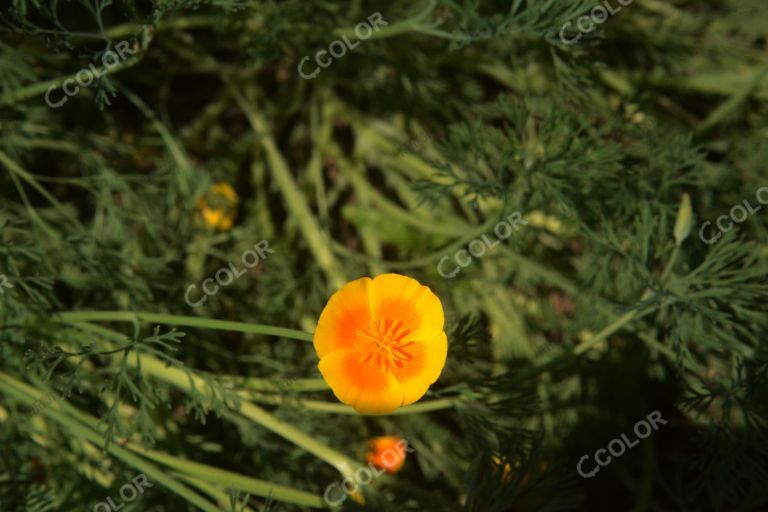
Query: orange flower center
point(384, 341)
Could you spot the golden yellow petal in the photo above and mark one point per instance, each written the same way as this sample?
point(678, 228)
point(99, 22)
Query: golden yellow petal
point(347, 312)
point(423, 370)
point(357, 380)
point(401, 298)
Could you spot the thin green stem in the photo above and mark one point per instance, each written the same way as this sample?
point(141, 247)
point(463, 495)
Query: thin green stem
point(16, 169)
point(425, 260)
point(612, 328)
point(197, 471)
point(186, 321)
point(39, 88)
point(211, 490)
point(400, 27)
point(30, 209)
point(556, 279)
point(230, 479)
point(336, 408)
point(317, 239)
point(190, 22)
point(55, 412)
point(174, 147)
point(189, 382)
point(277, 384)
point(670, 264)
point(734, 102)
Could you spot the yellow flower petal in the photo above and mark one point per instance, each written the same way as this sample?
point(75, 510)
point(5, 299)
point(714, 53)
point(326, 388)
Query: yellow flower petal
point(424, 369)
point(405, 299)
point(347, 312)
point(357, 380)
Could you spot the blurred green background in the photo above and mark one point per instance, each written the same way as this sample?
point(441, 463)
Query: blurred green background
point(147, 144)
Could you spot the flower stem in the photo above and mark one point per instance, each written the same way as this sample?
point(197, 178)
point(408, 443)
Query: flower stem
point(335, 408)
point(189, 383)
point(54, 412)
point(670, 264)
point(317, 239)
point(613, 327)
point(230, 479)
point(186, 321)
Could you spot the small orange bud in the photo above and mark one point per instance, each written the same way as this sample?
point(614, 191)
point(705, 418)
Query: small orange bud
point(387, 453)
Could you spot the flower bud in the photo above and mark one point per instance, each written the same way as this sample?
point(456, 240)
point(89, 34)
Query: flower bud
point(683, 223)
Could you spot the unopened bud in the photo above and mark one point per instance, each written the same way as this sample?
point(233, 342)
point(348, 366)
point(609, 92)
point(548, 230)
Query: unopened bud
point(683, 223)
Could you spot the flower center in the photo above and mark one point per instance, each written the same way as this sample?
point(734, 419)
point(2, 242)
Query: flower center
point(384, 341)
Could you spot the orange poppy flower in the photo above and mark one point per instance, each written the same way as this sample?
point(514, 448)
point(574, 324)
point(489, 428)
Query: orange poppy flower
point(217, 207)
point(387, 453)
point(381, 342)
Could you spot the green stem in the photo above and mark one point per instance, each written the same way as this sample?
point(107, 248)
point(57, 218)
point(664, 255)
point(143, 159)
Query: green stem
point(317, 239)
point(396, 213)
point(425, 260)
point(189, 382)
point(210, 490)
point(723, 83)
point(54, 412)
point(612, 328)
point(196, 471)
point(335, 408)
point(737, 99)
point(39, 88)
point(174, 147)
point(369, 234)
point(130, 29)
point(16, 169)
point(400, 27)
point(556, 279)
point(191, 470)
point(230, 479)
point(421, 407)
point(670, 264)
point(186, 321)
point(277, 384)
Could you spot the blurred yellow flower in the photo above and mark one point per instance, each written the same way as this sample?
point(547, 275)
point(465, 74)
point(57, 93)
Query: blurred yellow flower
point(387, 453)
point(218, 206)
point(551, 223)
point(506, 474)
point(381, 342)
point(507, 469)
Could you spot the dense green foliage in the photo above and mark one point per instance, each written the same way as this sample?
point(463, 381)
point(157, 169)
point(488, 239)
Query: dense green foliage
point(608, 303)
